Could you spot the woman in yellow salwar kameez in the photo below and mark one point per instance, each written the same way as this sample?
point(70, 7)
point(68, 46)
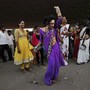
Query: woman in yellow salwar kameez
point(23, 54)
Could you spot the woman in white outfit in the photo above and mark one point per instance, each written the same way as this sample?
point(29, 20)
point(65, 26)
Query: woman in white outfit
point(64, 34)
point(83, 54)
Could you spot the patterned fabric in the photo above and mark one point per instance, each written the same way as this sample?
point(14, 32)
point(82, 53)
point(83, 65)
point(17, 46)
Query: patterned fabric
point(65, 38)
point(26, 55)
point(55, 58)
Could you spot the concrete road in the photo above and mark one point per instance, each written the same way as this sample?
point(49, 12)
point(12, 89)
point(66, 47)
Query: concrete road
point(71, 77)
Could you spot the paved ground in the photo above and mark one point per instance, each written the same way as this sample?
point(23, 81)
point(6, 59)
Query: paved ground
point(71, 77)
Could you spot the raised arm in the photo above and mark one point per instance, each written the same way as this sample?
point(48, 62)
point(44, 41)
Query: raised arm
point(58, 11)
point(59, 17)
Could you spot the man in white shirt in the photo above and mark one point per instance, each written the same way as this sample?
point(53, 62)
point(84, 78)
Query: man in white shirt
point(10, 39)
point(4, 45)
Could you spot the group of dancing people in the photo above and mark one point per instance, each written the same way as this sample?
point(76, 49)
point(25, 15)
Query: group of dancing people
point(54, 36)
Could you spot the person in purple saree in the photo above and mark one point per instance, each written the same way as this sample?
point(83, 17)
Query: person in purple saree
point(51, 42)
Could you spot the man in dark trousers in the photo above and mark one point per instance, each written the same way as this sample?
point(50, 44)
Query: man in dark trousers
point(4, 45)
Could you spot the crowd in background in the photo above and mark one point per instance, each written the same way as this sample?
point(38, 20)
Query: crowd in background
point(81, 34)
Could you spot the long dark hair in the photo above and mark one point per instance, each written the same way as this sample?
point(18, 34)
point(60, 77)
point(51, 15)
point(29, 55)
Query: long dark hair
point(86, 23)
point(47, 19)
point(1, 26)
point(88, 31)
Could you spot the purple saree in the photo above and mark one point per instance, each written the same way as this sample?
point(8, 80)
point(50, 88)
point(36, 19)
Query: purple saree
point(54, 55)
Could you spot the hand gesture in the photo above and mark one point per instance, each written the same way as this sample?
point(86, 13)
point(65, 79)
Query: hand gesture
point(58, 11)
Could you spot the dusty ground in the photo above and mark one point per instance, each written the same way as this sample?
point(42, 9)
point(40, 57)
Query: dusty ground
point(71, 77)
